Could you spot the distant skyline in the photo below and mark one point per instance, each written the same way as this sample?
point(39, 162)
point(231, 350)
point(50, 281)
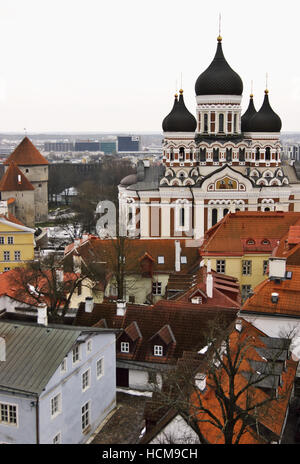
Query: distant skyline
point(98, 66)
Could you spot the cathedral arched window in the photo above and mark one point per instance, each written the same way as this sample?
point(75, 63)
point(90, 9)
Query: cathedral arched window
point(221, 122)
point(202, 155)
point(228, 154)
point(235, 123)
point(257, 154)
point(181, 217)
point(268, 154)
point(225, 211)
point(171, 154)
point(214, 216)
point(181, 154)
point(215, 154)
point(242, 154)
point(205, 122)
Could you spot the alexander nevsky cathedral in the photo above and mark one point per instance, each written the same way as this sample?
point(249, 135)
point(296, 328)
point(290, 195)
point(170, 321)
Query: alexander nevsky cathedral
point(215, 162)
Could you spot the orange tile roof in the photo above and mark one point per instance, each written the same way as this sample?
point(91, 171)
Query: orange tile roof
point(9, 217)
point(230, 236)
point(272, 414)
point(26, 154)
point(14, 180)
point(288, 300)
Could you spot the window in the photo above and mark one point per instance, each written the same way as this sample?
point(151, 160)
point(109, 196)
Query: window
point(158, 350)
point(215, 155)
point(265, 267)
point(79, 288)
point(156, 288)
point(246, 290)
point(57, 439)
point(202, 155)
point(55, 405)
point(183, 259)
point(181, 217)
point(6, 255)
point(131, 299)
point(181, 154)
point(171, 154)
point(214, 216)
point(8, 414)
point(63, 366)
point(257, 154)
point(76, 354)
point(85, 416)
point(89, 346)
point(246, 267)
point(10, 240)
point(161, 259)
point(250, 242)
point(221, 122)
point(268, 153)
point(100, 368)
point(221, 266)
point(2, 241)
point(17, 255)
point(265, 242)
point(6, 269)
point(86, 376)
point(124, 347)
point(205, 122)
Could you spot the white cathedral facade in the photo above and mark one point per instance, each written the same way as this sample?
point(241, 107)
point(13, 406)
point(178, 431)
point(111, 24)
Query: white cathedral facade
point(217, 162)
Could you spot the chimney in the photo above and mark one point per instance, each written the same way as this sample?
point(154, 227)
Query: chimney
point(200, 381)
point(19, 179)
point(209, 285)
point(208, 266)
point(42, 315)
point(238, 325)
point(177, 255)
point(277, 268)
point(59, 275)
point(2, 349)
point(89, 304)
point(121, 307)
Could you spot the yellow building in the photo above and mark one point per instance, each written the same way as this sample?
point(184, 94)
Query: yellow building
point(242, 242)
point(16, 243)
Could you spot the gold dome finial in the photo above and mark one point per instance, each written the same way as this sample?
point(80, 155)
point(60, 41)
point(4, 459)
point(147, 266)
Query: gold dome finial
point(219, 38)
point(251, 95)
point(266, 91)
point(181, 91)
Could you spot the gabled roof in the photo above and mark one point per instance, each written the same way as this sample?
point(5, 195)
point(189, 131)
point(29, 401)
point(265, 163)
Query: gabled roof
point(26, 154)
point(33, 353)
point(230, 235)
point(14, 180)
point(177, 321)
point(270, 422)
point(288, 303)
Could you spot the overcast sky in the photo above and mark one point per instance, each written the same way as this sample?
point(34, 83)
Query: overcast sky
point(95, 65)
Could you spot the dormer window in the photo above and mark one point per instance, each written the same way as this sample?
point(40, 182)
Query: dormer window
point(158, 350)
point(265, 242)
point(125, 347)
point(250, 242)
point(183, 259)
point(161, 259)
point(197, 300)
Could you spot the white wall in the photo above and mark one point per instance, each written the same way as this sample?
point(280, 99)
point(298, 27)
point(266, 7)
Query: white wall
point(178, 432)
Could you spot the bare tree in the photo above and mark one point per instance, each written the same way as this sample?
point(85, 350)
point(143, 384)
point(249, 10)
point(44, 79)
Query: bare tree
point(45, 282)
point(224, 392)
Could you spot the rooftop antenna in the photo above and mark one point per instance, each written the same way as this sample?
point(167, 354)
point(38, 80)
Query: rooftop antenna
point(251, 89)
point(181, 80)
point(266, 83)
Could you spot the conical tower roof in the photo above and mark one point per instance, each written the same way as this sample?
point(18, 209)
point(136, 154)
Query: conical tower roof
point(179, 119)
point(26, 154)
point(219, 78)
point(265, 120)
point(14, 180)
point(249, 113)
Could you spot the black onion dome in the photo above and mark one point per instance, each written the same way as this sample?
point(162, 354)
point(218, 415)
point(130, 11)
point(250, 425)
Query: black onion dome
point(219, 78)
point(251, 111)
point(265, 120)
point(180, 119)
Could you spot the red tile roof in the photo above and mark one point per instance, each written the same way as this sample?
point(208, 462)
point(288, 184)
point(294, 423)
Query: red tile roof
point(244, 345)
point(288, 300)
point(9, 217)
point(173, 321)
point(105, 251)
point(14, 180)
point(234, 233)
point(26, 154)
